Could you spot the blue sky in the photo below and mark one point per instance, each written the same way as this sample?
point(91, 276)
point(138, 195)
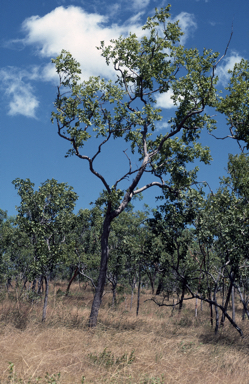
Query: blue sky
point(34, 31)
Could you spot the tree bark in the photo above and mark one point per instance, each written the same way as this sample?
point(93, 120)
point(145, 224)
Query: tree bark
point(160, 284)
point(196, 307)
point(8, 284)
point(182, 297)
point(102, 273)
point(233, 303)
point(138, 289)
point(132, 290)
point(211, 307)
point(152, 277)
point(40, 285)
point(226, 303)
point(71, 280)
point(244, 301)
point(34, 285)
point(216, 309)
point(44, 312)
point(114, 296)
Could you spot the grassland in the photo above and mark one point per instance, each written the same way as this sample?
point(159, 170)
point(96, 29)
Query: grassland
point(156, 347)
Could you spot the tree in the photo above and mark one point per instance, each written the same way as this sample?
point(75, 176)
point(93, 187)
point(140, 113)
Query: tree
point(84, 245)
point(46, 217)
point(124, 245)
point(235, 105)
point(172, 225)
point(145, 68)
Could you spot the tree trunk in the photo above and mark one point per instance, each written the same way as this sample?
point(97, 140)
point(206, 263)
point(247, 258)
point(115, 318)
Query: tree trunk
point(173, 307)
point(152, 285)
point(244, 301)
point(160, 284)
point(114, 296)
point(138, 289)
point(8, 284)
point(216, 311)
point(226, 303)
point(44, 312)
point(211, 307)
point(71, 280)
point(25, 280)
point(152, 277)
point(223, 292)
point(34, 285)
point(182, 297)
point(245, 310)
point(102, 272)
point(40, 285)
point(196, 306)
point(233, 303)
point(132, 291)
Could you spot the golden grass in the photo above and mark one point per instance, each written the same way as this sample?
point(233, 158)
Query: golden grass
point(167, 349)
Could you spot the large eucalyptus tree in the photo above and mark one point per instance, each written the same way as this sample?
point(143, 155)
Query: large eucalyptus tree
point(145, 68)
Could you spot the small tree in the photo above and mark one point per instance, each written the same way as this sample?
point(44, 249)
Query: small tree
point(45, 216)
point(145, 68)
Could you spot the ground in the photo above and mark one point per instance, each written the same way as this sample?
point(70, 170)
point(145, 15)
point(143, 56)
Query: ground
point(156, 347)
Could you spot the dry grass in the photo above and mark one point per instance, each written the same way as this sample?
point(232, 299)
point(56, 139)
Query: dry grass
point(167, 349)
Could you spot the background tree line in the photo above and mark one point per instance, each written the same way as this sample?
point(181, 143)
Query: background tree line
point(193, 245)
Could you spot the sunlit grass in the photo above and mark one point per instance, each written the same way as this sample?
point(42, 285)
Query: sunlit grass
point(158, 346)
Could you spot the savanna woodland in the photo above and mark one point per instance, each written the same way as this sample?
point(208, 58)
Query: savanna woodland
point(112, 294)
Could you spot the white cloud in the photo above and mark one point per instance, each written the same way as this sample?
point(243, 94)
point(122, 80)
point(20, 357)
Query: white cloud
point(227, 64)
point(187, 24)
point(162, 125)
point(19, 92)
point(78, 32)
point(164, 100)
point(140, 4)
point(214, 23)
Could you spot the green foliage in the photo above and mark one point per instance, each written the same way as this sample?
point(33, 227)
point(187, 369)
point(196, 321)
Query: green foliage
point(238, 179)
point(44, 218)
point(108, 359)
point(48, 379)
point(236, 103)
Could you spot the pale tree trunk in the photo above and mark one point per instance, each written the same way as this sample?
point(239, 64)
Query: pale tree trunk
point(233, 303)
point(196, 306)
point(244, 301)
point(216, 309)
point(102, 273)
point(132, 290)
point(138, 289)
point(211, 307)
